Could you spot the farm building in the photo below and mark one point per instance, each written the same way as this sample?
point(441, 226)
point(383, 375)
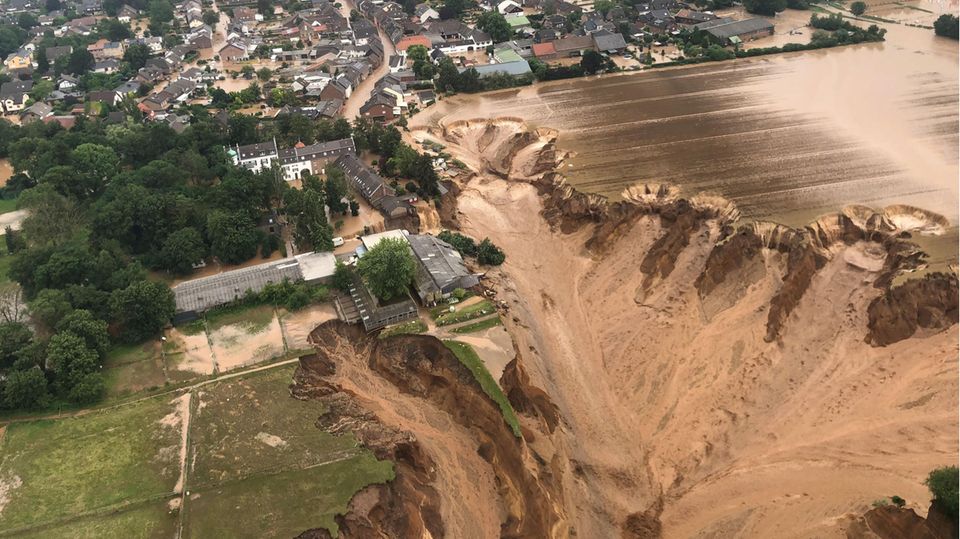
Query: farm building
point(730, 31)
point(440, 268)
point(198, 295)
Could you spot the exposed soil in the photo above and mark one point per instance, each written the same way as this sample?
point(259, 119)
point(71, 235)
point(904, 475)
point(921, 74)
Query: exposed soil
point(459, 467)
point(676, 373)
point(890, 522)
point(706, 379)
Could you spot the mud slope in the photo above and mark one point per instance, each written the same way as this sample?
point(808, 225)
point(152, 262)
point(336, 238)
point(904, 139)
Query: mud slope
point(459, 466)
point(712, 378)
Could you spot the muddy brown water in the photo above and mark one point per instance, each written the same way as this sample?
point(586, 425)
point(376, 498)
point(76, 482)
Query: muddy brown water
point(786, 137)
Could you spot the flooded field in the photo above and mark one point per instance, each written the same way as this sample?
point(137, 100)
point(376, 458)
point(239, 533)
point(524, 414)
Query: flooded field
point(786, 137)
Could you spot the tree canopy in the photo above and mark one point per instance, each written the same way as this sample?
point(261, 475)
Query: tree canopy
point(765, 7)
point(495, 24)
point(943, 484)
point(388, 268)
point(947, 25)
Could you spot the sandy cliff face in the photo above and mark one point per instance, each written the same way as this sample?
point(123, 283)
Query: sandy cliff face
point(678, 373)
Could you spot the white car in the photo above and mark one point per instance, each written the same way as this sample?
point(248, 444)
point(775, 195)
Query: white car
point(338, 241)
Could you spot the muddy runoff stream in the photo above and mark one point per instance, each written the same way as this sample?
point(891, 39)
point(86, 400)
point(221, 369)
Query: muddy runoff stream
point(787, 137)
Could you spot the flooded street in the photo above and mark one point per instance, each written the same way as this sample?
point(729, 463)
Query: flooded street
point(786, 137)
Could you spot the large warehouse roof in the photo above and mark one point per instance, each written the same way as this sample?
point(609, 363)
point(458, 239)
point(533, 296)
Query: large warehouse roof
point(198, 295)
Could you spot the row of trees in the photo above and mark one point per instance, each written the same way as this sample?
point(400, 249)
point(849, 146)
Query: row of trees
point(485, 252)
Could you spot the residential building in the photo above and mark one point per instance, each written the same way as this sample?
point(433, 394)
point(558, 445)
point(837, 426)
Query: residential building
point(14, 95)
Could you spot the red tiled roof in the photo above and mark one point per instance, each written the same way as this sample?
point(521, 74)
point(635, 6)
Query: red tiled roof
point(410, 41)
point(543, 49)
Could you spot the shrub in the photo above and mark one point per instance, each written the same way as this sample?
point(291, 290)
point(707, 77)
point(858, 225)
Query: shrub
point(489, 254)
point(858, 8)
point(943, 483)
point(898, 501)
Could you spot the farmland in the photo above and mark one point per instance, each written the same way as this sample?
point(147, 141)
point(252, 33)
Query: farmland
point(123, 472)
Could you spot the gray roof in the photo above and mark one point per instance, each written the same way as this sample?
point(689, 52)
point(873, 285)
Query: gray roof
point(263, 149)
point(609, 41)
point(198, 295)
point(443, 266)
point(725, 29)
point(371, 185)
point(520, 67)
point(319, 150)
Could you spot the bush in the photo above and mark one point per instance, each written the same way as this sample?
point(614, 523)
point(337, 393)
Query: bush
point(489, 254)
point(858, 8)
point(464, 244)
point(898, 501)
point(943, 484)
point(947, 26)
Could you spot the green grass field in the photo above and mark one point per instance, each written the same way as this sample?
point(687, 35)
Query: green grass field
point(8, 205)
point(253, 319)
point(129, 369)
point(481, 325)
point(406, 328)
point(468, 356)
point(241, 415)
point(259, 466)
point(150, 520)
point(477, 310)
point(257, 451)
point(284, 504)
point(72, 466)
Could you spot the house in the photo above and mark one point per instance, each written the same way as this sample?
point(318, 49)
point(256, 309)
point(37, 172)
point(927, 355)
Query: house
point(396, 63)
point(518, 22)
point(572, 46)
point(294, 162)
point(58, 52)
point(545, 51)
point(313, 158)
point(509, 7)
point(110, 65)
point(410, 41)
point(690, 17)
point(440, 269)
point(14, 95)
point(21, 59)
point(730, 31)
point(233, 53)
point(35, 112)
point(109, 97)
point(608, 42)
point(127, 14)
point(67, 83)
point(658, 20)
point(373, 188)
point(425, 13)
point(379, 108)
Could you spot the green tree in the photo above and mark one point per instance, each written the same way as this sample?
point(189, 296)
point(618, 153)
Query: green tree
point(25, 390)
point(211, 18)
point(49, 307)
point(388, 268)
point(181, 250)
point(603, 7)
point(342, 276)
point(858, 8)
point(88, 390)
point(336, 190)
point(947, 25)
point(489, 254)
point(97, 164)
point(27, 20)
point(80, 61)
point(136, 56)
point(233, 236)
point(43, 63)
point(264, 74)
point(41, 89)
point(70, 360)
point(495, 24)
point(765, 7)
point(85, 325)
point(142, 309)
point(13, 337)
point(943, 484)
point(591, 62)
